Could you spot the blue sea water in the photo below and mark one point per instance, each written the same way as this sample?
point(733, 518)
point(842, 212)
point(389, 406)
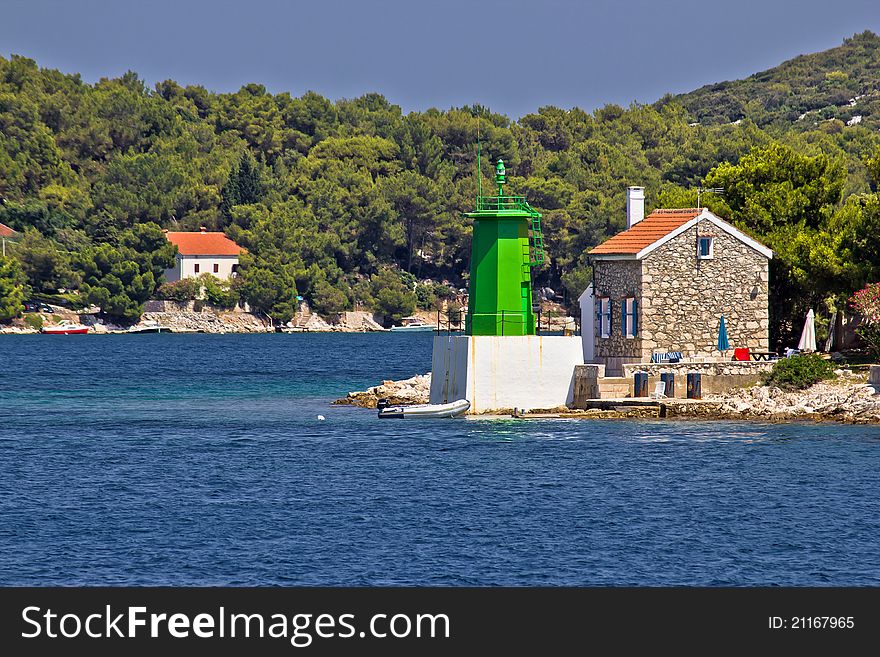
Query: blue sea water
point(200, 460)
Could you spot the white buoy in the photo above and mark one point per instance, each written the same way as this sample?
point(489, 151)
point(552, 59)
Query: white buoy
point(321, 417)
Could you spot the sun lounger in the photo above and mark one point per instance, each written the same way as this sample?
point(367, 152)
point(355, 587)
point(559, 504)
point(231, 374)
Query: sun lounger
point(659, 390)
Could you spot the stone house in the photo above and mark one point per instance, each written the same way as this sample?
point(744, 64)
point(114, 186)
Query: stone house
point(203, 253)
point(663, 284)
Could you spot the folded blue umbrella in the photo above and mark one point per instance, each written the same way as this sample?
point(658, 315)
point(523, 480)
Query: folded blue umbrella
point(723, 342)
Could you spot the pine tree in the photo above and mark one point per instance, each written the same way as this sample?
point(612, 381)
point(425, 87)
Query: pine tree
point(250, 187)
point(13, 287)
point(243, 186)
point(229, 194)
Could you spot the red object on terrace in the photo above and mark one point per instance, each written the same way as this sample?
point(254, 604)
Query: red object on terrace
point(741, 353)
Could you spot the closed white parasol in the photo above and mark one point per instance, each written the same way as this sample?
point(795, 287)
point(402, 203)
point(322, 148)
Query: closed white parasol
point(808, 336)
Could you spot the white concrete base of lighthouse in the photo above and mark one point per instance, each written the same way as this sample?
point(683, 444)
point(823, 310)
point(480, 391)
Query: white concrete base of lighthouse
point(503, 372)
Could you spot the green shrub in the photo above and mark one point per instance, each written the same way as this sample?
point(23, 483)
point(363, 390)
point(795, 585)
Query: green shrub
point(218, 293)
point(425, 298)
point(185, 289)
point(70, 300)
point(13, 286)
point(327, 299)
point(453, 313)
point(442, 291)
point(866, 302)
point(33, 320)
point(799, 372)
point(393, 298)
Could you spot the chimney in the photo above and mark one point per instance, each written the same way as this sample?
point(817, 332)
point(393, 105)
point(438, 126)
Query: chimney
point(203, 229)
point(635, 205)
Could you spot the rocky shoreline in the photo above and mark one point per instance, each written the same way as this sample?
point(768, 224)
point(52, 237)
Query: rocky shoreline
point(199, 317)
point(414, 390)
point(186, 317)
point(846, 399)
point(177, 322)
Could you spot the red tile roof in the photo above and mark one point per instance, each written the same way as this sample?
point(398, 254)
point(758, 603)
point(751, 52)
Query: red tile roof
point(204, 244)
point(6, 231)
point(655, 226)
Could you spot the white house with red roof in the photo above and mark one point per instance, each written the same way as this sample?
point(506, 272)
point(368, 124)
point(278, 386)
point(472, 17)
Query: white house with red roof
point(203, 253)
point(6, 233)
point(662, 285)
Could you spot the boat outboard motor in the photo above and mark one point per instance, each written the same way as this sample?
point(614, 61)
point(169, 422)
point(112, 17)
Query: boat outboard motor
point(386, 410)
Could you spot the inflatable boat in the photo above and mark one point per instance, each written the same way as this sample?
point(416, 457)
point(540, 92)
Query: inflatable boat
point(451, 409)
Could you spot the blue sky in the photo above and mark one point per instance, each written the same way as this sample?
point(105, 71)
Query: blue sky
point(513, 56)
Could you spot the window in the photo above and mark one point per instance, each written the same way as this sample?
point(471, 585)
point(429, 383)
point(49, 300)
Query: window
point(216, 268)
point(603, 317)
point(629, 314)
point(196, 268)
point(705, 248)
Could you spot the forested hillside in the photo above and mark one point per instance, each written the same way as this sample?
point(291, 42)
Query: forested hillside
point(351, 202)
point(840, 83)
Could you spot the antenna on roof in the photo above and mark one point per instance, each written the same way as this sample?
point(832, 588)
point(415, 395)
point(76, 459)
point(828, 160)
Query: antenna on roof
point(711, 190)
point(479, 170)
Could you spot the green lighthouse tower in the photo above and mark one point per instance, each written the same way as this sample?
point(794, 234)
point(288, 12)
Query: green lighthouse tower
point(507, 241)
point(501, 363)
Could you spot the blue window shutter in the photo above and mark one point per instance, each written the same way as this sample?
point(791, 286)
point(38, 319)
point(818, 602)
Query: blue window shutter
point(635, 317)
point(705, 247)
point(623, 317)
point(599, 317)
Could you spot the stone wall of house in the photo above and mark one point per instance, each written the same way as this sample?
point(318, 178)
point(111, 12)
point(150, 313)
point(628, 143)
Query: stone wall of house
point(683, 298)
point(617, 280)
point(716, 377)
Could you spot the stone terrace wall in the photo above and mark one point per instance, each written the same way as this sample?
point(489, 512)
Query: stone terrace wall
point(720, 368)
point(684, 297)
point(160, 306)
point(717, 378)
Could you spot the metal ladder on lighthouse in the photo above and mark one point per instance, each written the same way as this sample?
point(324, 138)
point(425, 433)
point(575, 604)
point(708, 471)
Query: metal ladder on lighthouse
point(536, 242)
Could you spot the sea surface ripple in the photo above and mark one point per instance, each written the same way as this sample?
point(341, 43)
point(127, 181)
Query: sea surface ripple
point(200, 460)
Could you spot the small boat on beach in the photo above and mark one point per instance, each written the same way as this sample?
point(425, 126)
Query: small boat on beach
point(414, 324)
point(291, 328)
point(65, 327)
point(452, 409)
point(149, 326)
